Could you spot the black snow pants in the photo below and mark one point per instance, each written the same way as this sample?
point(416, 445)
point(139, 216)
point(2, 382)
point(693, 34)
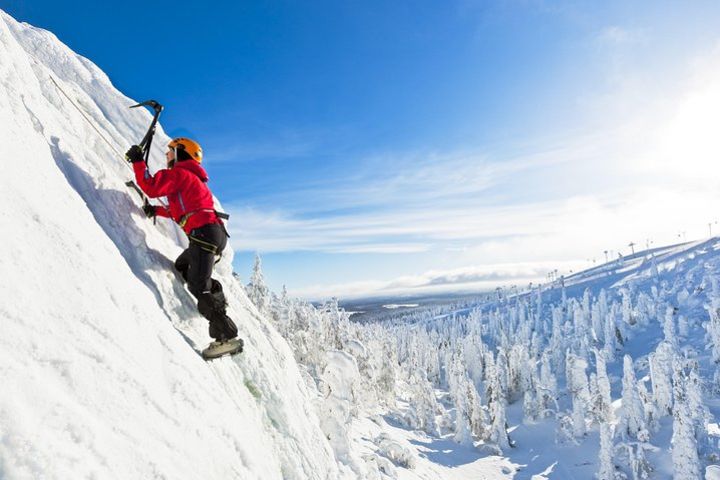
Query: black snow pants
point(195, 264)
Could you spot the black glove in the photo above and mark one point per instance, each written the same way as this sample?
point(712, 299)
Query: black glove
point(149, 210)
point(135, 154)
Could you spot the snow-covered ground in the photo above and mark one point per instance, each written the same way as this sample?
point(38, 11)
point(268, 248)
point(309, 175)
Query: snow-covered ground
point(609, 372)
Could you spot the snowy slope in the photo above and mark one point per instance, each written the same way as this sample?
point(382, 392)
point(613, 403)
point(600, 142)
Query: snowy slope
point(98, 339)
point(660, 303)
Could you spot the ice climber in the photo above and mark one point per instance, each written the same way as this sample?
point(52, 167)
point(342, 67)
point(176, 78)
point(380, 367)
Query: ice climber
point(190, 204)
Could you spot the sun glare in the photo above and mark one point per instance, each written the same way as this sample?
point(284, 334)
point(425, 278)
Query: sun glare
point(689, 144)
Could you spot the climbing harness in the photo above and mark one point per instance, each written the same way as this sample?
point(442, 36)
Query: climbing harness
point(183, 220)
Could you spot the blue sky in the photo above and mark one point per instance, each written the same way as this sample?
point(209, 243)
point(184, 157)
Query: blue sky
point(400, 147)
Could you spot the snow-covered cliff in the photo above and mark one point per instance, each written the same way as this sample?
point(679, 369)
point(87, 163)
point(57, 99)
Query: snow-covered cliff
point(99, 370)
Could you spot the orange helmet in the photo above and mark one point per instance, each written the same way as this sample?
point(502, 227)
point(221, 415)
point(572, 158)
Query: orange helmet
point(191, 147)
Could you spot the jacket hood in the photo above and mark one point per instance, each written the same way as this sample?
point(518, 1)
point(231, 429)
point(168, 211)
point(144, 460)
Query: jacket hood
point(193, 167)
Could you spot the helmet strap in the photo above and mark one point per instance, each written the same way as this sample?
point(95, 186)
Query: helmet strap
point(171, 163)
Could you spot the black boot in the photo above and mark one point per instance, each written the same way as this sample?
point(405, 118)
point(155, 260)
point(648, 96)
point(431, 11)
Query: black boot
point(212, 305)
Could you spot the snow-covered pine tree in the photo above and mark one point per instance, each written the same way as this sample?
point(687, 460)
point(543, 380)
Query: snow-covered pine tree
point(627, 313)
point(519, 371)
point(602, 404)
point(386, 370)
point(577, 385)
point(257, 290)
point(547, 388)
point(633, 455)
point(696, 406)
point(502, 370)
point(661, 371)
point(712, 326)
point(598, 314)
point(281, 307)
point(669, 327)
point(531, 409)
point(496, 403)
point(556, 347)
point(605, 456)
point(632, 411)
point(424, 403)
point(685, 459)
point(610, 333)
point(463, 430)
point(477, 413)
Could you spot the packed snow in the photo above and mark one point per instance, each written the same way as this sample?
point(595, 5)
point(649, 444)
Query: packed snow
point(610, 373)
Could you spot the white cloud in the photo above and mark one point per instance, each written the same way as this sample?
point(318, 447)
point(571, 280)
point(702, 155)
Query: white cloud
point(467, 279)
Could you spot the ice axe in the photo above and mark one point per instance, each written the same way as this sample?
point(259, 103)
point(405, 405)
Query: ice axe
point(146, 142)
point(147, 139)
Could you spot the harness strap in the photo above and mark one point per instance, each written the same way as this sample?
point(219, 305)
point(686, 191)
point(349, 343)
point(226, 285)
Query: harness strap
point(183, 220)
point(207, 246)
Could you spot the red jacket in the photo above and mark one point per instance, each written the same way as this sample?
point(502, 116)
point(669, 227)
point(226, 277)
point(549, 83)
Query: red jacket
point(185, 186)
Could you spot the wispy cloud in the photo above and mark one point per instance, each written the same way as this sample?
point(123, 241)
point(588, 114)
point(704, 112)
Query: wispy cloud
point(415, 183)
point(417, 203)
point(469, 279)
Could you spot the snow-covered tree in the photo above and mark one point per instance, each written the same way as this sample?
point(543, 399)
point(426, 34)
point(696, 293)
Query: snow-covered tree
point(577, 385)
point(632, 454)
point(463, 430)
point(531, 408)
point(601, 402)
point(713, 325)
point(661, 362)
point(611, 333)
point(669, 327)
point(257, 290)
point(477, 413)
point(565, 431)
point(598, 315)
point(627, 312)
point(686, 463)
point(632, 412)
point(424, 404)
point(385, 366)
point(338, 389)
point(496, 403)
point(698, 411)
point(547, 388)
point(605, 456)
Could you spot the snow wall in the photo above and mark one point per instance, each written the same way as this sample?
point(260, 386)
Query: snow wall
point(98, 338)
